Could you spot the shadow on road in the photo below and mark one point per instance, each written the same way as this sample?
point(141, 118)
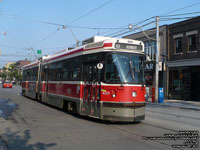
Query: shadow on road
point(15, 141)
point(96, 120)
point(7, 107)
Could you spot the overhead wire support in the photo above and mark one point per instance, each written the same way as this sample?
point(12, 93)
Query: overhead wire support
point(136, 28)
point(77, 41)
point(67, 26)
point(111, 34)
point(34, 53)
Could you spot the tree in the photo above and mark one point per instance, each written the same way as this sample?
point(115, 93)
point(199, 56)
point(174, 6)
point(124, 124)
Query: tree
point(12, 73)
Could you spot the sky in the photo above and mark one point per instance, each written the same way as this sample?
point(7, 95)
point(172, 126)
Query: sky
point(53, 25)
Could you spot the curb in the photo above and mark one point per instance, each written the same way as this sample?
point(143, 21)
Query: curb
point(179, 105)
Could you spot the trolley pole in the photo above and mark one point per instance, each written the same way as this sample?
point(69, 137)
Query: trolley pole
point(157, 59)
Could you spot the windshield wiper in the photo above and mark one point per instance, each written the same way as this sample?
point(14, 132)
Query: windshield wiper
point(131, 70)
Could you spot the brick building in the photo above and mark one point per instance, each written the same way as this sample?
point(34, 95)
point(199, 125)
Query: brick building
point(22, 63)
point(184, 60)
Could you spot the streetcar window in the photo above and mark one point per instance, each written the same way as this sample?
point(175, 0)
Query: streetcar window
point(66, 70)
point(92, 57)
point(30, 74)
point(58, 70)
point(75, 74)
point(52, 72)
point(71, 69)
point(24, 75)
point(124, 68)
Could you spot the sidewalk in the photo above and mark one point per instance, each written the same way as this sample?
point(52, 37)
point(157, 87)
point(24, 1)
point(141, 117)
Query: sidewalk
point(189, 105)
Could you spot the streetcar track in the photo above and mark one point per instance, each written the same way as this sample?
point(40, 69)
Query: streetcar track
point(5, 143)
point(178, 116)
point(133, 133)
point(173, 107)
point(159, 127)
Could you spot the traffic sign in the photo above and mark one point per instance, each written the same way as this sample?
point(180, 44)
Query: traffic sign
point(39, 52)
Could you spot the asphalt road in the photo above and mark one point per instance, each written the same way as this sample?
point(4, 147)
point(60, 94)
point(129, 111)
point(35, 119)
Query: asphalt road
point(28, 125)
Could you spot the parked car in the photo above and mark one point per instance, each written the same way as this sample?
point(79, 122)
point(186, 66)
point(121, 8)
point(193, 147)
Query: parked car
point(0, 82)
point(7, 84)
point(13, 82)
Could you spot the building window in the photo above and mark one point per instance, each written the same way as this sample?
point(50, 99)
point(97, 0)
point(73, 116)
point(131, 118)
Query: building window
point(178, 45)
point(192, 43)
point(150, 50)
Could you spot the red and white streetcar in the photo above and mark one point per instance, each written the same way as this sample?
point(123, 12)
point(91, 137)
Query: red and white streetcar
point(104, 79)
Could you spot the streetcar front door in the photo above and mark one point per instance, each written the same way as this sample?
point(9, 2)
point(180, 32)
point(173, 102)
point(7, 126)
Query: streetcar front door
point(91, 91)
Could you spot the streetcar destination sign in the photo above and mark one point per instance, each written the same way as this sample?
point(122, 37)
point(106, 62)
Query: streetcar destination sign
point(128, 46)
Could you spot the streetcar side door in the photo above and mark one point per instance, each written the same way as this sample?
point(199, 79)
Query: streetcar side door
point(91, 91)
point(45, 83)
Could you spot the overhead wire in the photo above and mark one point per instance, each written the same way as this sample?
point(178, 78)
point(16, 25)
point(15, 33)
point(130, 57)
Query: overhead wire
point(182, 18)
point(93, 10)
point(191, 13)
point(123, 30)
point(45, 38)
point(65, 26)
point(163, 19)
point(137, 23)
point(180, 9)
point(13, 47)
point(136, 28)
point(11, 35)
point(15, 55)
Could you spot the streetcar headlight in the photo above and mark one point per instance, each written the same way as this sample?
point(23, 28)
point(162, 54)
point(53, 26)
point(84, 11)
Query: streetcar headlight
point(134, 94)
point(113, 95)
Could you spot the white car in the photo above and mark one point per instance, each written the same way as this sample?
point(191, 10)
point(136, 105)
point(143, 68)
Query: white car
point(0, 82)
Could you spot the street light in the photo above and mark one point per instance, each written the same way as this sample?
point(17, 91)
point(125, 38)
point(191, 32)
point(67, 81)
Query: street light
point(4, 33)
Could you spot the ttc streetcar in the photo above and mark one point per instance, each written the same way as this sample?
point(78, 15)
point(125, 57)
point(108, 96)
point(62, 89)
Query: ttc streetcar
point(103, 79)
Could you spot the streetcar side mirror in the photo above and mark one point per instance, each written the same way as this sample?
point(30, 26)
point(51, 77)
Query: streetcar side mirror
point(100, 66)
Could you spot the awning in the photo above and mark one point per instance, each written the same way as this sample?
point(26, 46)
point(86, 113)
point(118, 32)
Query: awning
point(183, 62)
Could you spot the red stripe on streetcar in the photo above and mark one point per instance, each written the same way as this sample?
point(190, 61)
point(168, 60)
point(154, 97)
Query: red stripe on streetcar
point(31, 65)
point(107, 45)
point(79, 50)
point(70, 53)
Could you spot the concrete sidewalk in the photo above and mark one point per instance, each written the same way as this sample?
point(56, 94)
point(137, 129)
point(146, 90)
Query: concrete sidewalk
point(189, 105)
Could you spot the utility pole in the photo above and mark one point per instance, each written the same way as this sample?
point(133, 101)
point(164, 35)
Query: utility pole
point(34, 53)
point(157, 59)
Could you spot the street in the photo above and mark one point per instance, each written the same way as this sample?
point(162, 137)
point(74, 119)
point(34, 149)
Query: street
point(31, 125)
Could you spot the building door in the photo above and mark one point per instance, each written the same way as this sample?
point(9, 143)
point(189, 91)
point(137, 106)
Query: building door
point(195, 84)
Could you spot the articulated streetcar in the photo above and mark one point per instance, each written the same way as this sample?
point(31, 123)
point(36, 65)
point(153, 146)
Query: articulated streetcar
point(103, 79)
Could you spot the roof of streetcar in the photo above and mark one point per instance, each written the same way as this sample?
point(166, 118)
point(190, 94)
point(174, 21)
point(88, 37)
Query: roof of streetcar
point(99, 43)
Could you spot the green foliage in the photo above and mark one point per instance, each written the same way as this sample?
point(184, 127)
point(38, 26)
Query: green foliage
point(13, 72)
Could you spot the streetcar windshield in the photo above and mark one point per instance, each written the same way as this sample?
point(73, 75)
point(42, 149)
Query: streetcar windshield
point(124, 68)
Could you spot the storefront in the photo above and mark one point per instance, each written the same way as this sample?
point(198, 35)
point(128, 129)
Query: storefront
point(149, 77)
point(184, 80)
point(149, 73)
